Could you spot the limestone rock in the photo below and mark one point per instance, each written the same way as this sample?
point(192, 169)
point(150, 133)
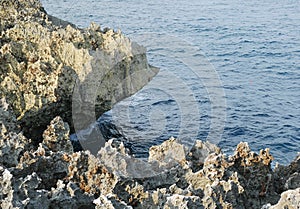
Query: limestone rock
point(61, 179)
point(69, 196)
point(91, 176)
point(184, 202)
point(255, 175)
point(11, 147)
point(6, 192)
point(104, 202)
point(56, 136)
point(7, 118)
point(164, 154)
point(49, 65)
point(293, 181)
point(287, 177)
point(199, 153)
point(117, 160)
point(12, 142)
point(245, 157)
point(289, 199)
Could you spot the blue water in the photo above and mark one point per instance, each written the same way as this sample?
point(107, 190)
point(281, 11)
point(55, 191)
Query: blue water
point(254, 46)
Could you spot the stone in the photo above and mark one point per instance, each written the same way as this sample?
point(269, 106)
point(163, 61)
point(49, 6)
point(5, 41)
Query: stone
point(184, 202)
point(6, 191)
point(46, 178)
point(289, 199)
point(199, 153)
point(12, 141)
point(164, 154)
point(56, 136)
point(11, 147)
point(49, 67)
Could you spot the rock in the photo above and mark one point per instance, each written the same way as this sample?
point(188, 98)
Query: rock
point(289, 199)
point(42, 177)
point(287, 177)
point(12, 142)
point(69, 196)
point(164, 154)
point(49, 68)
point(255, 175)
point(11, 147)
point(117, 160)
point(104, 202)
point(7, 118)
point(91, 176)
point(6, 192)
point(56, 136)
point(293, 181)
point(199, 153)
point(244, 157)
point(184, 202)
point(49, 178)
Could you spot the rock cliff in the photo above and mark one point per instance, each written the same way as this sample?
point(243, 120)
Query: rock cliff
point(49, 67)
point(51, 71)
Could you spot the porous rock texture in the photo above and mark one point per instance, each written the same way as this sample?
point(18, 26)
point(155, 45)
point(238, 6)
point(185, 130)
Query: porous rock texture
point(42, 61)
point(49, 67)
point(53, 176)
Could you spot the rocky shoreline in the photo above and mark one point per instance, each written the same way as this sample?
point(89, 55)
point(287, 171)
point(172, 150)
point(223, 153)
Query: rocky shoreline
point(43, 61)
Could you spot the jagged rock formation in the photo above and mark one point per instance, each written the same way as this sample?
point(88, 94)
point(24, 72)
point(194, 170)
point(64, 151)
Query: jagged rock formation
point(289, 199)
point(50, 68)
point(53, 176)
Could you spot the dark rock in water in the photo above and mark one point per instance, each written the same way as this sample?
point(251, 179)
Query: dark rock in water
point(110, 131)
point(103, 127)
point(75, 143)
point(107, 127)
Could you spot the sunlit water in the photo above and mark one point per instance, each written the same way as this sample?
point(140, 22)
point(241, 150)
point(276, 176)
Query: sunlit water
point(253, 45)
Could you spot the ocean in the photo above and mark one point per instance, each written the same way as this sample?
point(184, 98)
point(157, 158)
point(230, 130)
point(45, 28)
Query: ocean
point(229, 70)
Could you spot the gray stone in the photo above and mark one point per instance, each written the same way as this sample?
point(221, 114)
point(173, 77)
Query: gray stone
point(289, 200)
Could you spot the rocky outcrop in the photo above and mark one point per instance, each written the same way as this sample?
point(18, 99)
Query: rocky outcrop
point(53, 176)
point(49, 67)
point(289, 199)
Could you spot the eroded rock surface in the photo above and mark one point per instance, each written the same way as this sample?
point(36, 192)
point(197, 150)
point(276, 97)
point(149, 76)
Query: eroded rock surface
point(53, 176)
point(49, 67)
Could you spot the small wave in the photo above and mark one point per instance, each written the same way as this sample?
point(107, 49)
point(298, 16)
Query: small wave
point(163, 102)
point(236, 131)
point(261, 115)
